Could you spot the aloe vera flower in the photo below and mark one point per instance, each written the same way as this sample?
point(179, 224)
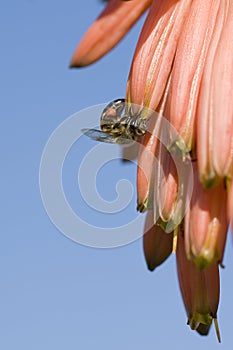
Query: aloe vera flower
point(182, 69)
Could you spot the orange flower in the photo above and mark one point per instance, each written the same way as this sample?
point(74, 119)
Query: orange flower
point(182, 69)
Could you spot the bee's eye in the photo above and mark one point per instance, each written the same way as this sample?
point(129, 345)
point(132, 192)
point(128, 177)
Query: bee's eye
point(113, 113)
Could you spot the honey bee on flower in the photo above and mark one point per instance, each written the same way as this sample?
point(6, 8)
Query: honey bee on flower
point(118, 125)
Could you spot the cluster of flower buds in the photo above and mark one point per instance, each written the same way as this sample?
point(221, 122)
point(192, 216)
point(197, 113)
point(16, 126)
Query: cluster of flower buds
point(182, 69)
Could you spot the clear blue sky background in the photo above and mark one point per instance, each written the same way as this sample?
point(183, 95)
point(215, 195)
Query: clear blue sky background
point(57, 294)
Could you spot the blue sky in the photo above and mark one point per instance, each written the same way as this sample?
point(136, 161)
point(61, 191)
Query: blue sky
point(57, 294)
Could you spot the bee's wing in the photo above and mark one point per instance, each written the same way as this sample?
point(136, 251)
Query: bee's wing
point(98, 135)
point(123, 140)
point(101, 136)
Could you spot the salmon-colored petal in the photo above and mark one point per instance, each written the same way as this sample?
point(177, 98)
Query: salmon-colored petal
point(166, 190)
point(130, 152)
point(200, 291)
point(157, 244)
point(206, 224)
point(188, 67)
point(215, 108)
point(145, 171)
point(155, 51)
point(109, 28)
point(147, 155)
point(173, 180)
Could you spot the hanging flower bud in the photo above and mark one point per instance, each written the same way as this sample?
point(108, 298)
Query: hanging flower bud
point(188, 68)
point(109, 28)
point(155, 51)
point(157, 244)
point(200, 291)
point(145, 172)
point(215, 108)
point(206, 224)
point(148, 154)
point(166, 192)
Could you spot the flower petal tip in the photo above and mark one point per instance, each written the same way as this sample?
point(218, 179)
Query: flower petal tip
point(150, 267)
point(142, 206)
point(74, 65)
point(203, 329)
point(77, 63)
point(209, 180)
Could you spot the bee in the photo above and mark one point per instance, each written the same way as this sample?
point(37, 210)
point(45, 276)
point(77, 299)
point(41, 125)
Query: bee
point(118, 124)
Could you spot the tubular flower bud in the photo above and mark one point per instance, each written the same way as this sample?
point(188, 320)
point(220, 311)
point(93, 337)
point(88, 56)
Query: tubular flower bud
point(200, 291)
point(155, 51)
point(188, 67)
point(145, 171)
point(166, 201)
point(215, 108)
point(157, 244)
point(109, 28)
point(147, 157)
point(206, 223)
